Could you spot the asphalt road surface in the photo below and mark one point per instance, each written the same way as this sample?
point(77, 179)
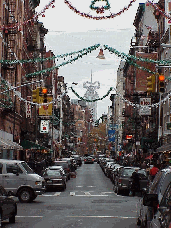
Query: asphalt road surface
point(87, 202)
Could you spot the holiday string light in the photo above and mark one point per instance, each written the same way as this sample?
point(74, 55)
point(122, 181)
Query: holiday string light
point(94, 100)
point(88, 49)
point(112, 15)
point(35, 17)
point(17, 87)
point(111, 88)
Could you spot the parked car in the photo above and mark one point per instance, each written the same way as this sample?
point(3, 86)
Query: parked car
point(18, 177)
point(65, 166)
point(8, 207)
point(54, 178)
point(77, 159)
point(107, 167)
point(154, 195)
point(115, 172)
point(124, 181)
point(162, 218)
point(88, 160)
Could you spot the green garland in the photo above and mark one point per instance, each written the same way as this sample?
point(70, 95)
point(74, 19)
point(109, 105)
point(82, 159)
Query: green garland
point(124, 56)
point(94, 100)
point(89, 49)
point(85, 52)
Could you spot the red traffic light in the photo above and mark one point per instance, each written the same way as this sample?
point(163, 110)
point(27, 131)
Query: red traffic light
point(44, 90)
point(161, 77)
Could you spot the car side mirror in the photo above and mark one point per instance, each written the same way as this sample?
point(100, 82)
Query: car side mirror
point(150, 200)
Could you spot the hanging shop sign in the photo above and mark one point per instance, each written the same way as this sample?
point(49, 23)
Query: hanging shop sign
point(28, 107)
point(44, 126)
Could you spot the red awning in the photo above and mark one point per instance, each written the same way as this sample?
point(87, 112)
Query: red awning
point(149, 157)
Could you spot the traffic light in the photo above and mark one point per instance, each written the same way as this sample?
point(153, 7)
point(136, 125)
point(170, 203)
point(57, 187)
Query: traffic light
point(161, 83)
point(35, 95)
point(44, 94)
point(151, 80)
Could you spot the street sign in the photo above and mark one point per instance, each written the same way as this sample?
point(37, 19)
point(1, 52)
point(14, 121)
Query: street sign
point(44, 126)
point(144, 109)
point(111, 135)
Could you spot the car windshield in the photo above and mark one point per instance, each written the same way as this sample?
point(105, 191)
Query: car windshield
point(27, 168)
point(128, 172)
point(53, 172)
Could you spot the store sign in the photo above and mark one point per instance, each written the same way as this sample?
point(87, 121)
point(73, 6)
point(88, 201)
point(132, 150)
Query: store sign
point(145, 110)
point(28, 107)
point(44, 126)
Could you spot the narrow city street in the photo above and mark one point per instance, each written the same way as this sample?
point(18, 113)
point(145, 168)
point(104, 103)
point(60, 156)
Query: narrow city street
point(88, 201)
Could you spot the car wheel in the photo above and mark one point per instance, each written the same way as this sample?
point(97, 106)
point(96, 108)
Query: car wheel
point(25, 195)
point(138, 222)
point(118, 191)
point(69, 177)
point(12, 219)
point(64, 187)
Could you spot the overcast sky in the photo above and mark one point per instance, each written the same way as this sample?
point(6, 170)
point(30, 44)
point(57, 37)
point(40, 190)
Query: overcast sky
point(70, 32)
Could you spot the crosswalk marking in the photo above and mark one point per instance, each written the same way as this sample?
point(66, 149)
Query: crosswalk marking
point(72, 193)
point(76, 193)
point(101, 216)
point(87, 193)
point(57, 194)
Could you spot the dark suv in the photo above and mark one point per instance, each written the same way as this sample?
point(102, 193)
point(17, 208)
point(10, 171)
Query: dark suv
point(151, 202)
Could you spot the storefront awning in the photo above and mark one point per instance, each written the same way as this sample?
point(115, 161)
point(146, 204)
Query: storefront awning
point(8, 144)
point(164, 148)
point(26, 144)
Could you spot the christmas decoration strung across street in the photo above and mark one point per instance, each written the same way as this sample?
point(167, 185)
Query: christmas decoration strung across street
point(98, 9)
point(101, 8)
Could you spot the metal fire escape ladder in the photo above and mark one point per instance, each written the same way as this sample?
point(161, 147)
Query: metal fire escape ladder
point(10, 34)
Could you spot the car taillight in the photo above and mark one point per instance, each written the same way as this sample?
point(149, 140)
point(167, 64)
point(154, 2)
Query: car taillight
point(170, 225)
point(92, 159)
point(120, 180)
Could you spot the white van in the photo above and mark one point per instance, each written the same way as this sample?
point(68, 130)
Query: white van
point(16, 176)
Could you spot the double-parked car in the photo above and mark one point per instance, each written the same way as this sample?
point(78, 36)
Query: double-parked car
point(65, 165)
point(54, 178)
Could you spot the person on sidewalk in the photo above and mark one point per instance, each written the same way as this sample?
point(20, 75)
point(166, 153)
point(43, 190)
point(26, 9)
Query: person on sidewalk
point(153, 171)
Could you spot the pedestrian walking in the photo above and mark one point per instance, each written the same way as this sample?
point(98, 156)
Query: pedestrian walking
point(135, 186)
